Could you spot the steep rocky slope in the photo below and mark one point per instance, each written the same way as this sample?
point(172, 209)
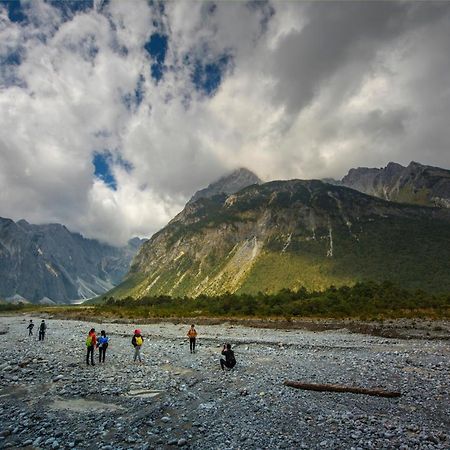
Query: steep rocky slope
point(48, 262)
point(288, 234)
point(416, 183)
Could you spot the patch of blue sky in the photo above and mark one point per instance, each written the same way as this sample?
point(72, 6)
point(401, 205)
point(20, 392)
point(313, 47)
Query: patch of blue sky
point(133, 100)
point(69, 8)
point(102, 169)
point(157, 71)
point(157, 49)
point(102, 5)
point(207, 76)
point(16, 12)
point(13, 58)
point(9, 63)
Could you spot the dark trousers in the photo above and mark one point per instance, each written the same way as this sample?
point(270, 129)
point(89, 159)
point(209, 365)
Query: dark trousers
point(41, 335)
point(90, 351)
point(192, 344)
point(101, 354)
point(30, 332)
point(224, 363)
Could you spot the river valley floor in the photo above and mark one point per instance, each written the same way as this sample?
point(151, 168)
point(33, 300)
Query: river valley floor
point(50, 399)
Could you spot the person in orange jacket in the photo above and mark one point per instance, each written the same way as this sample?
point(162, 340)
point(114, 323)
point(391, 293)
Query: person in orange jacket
point(91, 342)
point(192, 334)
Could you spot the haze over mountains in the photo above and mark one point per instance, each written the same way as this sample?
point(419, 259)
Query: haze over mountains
point(48, 263)
point(289, 234)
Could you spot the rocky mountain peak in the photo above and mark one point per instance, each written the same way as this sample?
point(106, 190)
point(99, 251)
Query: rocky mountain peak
point(416, 183)
point(228, 184)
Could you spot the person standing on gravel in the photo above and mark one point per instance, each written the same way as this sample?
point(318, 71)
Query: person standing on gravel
point(30, 328)
point(103, 341)
point(91, 342)
point(137, 342)
point(42, 329)
point(230, 361)
point(192, 334)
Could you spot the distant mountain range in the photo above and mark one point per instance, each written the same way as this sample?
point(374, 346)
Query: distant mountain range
point(415, 184)
point(242, 235)
point(48, 263)
point(289, 234)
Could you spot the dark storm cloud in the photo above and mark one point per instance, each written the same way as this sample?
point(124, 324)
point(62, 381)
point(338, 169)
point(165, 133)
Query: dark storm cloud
point(336, 34)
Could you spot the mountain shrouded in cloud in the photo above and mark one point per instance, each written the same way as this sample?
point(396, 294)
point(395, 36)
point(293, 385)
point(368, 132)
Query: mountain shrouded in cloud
point(114, 112)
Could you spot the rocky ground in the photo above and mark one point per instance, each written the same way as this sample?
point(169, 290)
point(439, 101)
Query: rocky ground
point(50, 399)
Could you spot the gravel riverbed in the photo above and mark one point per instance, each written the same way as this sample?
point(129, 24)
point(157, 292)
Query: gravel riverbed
point(50, 399)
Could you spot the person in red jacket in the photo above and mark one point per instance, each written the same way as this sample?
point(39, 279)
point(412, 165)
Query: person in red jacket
point(91, 342)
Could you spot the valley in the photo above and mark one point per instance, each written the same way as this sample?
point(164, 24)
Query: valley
point(177, 399)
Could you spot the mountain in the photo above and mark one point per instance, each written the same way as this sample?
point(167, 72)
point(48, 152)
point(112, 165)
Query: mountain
point(48, 263)
point(289, 234)
point(416, 183)
point(229, 184)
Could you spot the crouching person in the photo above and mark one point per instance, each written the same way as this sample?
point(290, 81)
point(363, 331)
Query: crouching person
point(230, 361)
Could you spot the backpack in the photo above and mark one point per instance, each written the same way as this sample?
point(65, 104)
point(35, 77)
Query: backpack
point(139, 341)
point(89, 341)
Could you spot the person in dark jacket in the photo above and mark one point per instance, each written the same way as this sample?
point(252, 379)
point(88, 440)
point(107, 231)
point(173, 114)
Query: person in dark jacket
point(230, 361)
point(137, 342)
point(30, 328)
point(42, 329)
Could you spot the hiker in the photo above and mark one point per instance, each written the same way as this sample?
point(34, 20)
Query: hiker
point(137, 342)
point(102, 345)
point(192, 334)
point(230, 361)
point(91, 342)
point(42, 328)
point(30, 328)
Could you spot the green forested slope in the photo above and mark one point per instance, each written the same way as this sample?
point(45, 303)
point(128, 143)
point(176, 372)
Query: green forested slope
point(292, 234)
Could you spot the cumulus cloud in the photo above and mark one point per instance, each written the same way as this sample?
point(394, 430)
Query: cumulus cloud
point(287, 89)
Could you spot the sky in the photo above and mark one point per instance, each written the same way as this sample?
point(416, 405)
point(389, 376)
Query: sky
point(114, 112)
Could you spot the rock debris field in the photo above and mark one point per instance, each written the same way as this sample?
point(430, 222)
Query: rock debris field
point(50, 399)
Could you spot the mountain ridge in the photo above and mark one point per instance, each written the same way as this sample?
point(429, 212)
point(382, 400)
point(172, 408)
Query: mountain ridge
point(49, 262)
point(291, 234)
point(415, 183)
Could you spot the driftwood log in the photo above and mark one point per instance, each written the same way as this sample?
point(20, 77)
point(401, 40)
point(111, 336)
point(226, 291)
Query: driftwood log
point(339, 388)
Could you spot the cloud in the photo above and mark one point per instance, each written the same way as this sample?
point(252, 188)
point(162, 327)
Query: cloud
point(112, 115)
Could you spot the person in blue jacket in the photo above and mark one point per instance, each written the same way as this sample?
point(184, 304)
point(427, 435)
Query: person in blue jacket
point(102, 344)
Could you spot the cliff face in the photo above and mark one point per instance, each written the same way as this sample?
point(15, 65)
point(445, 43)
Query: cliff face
point(416, 184)
point(288, 234)
point(45, 263)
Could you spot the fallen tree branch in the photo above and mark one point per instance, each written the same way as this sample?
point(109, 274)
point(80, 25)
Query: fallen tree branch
point(339, 388)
